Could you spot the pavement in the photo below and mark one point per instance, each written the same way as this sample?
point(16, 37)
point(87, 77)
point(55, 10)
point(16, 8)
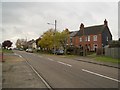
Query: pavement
point(0, 75)
point(17, 74)
point(0, 70)
point(62, 72)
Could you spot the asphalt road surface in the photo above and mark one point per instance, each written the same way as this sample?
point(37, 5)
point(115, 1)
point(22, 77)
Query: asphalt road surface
point(62, 72)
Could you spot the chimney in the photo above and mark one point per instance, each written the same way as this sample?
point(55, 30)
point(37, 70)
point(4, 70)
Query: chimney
point(106, 22)
point(81, 26)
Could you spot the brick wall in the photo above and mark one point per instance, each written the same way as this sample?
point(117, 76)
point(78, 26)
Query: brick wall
point(76, 41)
point(89, 43)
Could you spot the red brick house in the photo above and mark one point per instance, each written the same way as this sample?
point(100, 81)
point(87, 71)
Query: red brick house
point(92, 37)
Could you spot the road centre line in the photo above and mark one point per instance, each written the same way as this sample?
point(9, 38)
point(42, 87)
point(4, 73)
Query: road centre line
point(50, 59)
point(64, 63)
point(100, 75)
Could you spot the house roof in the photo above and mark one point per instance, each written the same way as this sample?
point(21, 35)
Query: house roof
point(73, 33)
point(92, 30)
point(31, 42)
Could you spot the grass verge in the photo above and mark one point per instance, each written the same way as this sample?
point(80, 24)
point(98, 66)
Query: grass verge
point(104, 58)
point(107, 59)
point(7, 51)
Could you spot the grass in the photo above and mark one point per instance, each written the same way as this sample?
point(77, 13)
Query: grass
point(0, 50)
point(7, 51)
point(104, 58)
point(93, 56)
point(107, 59)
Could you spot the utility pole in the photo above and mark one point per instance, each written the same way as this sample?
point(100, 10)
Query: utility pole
point(54, 37)
point(55, 24)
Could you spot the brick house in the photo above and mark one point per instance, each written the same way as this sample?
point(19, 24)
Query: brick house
point(92, 37)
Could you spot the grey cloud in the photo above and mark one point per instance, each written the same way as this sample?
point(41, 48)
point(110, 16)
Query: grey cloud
point(29, 19)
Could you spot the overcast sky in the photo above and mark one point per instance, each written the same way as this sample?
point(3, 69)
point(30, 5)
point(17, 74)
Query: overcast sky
point(29, 20)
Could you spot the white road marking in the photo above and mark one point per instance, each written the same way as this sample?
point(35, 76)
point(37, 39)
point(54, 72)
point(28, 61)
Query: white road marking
point(50, 59)
point(64, 63)
point(100, 75)
point(17, 55)
point(20, 56)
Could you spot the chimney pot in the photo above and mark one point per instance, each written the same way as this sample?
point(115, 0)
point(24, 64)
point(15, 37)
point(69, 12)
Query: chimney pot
point(105, 22)
point(81, 26)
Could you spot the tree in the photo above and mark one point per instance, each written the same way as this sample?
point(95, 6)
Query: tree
point(21, 43)
point(46, 40)
point(37, 41)
point(6, 44)
point(63, 38)
point(54, 39)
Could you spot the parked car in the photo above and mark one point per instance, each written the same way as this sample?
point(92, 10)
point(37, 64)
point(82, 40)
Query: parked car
point(21, 49)
point(29, 50)
point(60, 52)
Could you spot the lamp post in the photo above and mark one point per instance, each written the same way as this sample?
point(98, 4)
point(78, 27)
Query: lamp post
point(55, 24)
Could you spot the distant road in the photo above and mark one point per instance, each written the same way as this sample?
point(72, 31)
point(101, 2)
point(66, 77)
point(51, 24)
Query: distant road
point(67, 73)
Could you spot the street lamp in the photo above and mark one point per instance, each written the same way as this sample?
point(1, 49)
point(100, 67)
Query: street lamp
point(54, 33)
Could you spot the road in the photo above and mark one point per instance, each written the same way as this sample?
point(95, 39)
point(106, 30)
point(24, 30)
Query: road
point(62, 72)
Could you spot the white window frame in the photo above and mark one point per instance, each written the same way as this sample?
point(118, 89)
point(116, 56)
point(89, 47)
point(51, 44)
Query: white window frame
point(80, 39)
point(88, 38)
point(95, 38)
point(107, 38)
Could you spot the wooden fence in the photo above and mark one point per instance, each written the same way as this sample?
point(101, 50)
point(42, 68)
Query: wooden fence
point(113, 52)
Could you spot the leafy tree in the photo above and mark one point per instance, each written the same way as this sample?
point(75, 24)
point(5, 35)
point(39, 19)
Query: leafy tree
point(51, 39)
point(47, 40)
point(63, 38)
point(6, 44)
point(21, 43)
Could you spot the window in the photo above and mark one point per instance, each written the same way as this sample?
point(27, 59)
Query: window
point(80, 39)
point(88, 38)
point(95, 38)
point(70, 39)
point(107, 38)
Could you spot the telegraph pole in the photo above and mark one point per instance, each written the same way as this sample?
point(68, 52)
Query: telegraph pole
point(55, 24)
point(54, 37)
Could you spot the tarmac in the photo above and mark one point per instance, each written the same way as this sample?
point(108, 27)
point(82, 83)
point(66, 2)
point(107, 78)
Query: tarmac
point(0, 75)
point(17, 74)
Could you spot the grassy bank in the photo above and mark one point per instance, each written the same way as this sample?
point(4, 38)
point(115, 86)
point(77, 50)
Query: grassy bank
point(107, 59)
point(7, 51)
point(92, 56)
point(0, 50)
point(104, 58)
